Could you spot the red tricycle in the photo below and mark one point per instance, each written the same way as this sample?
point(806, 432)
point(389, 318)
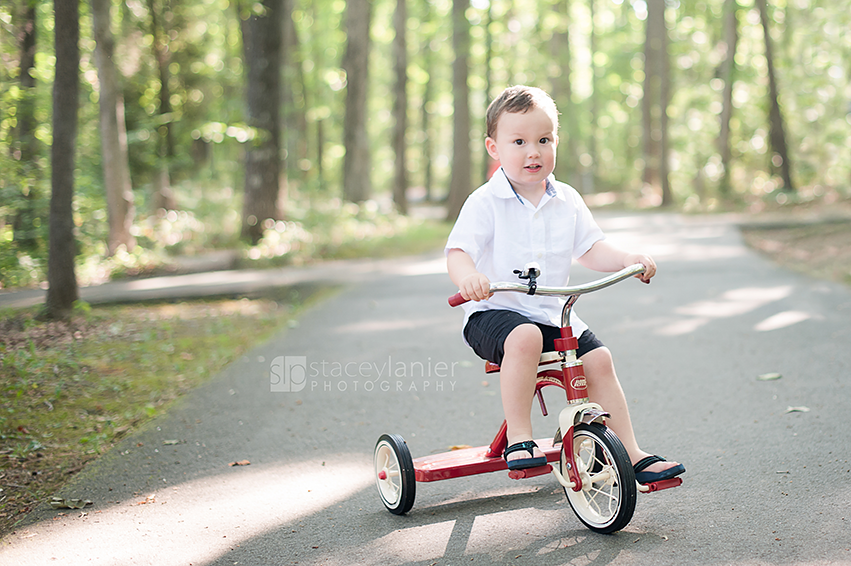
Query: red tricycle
point(594, 469)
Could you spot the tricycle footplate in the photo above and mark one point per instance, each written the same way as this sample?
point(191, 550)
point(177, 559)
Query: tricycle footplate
point(470, 461)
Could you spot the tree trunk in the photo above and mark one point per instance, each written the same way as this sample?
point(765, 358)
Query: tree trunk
point(294, 134)
point(163, 194)
point(776, 133)
point(62, 289)
point(488, 163)
point(664, 99)
point(655, 102)
point(509, 43)
point(459, 185)
point(262, 43)
point(428, 96)
point(356, 165)
point(24, 149)
point(589, 176)
point(400, 107)
point(320, 154)
point(727, 74)
point(562, 94)
point(26, 107)
point(113, 134)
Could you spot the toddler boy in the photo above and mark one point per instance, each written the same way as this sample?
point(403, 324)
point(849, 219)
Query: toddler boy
point(524, 215)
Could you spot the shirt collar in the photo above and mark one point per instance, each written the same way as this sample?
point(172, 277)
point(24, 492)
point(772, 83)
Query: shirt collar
point(502, 187)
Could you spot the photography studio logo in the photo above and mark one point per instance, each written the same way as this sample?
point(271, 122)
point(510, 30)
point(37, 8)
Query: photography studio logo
point(291, 374)
point(288, 374)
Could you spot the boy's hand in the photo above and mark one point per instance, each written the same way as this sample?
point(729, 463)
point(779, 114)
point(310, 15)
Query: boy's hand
point(646, 261)
point(475, 287)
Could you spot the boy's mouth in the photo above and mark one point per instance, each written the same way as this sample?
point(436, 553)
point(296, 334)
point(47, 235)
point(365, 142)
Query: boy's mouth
point(533, 168)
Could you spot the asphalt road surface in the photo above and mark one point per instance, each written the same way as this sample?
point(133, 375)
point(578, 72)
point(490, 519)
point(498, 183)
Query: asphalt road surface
point(768, 480)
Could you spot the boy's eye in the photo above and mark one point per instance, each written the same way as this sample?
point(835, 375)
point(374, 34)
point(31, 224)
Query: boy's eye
point(518, 142)
point(544, 141)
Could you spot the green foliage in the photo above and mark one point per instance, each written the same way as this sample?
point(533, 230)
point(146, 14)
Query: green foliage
point(22, 212)
point(316, 228)
point(331, 229)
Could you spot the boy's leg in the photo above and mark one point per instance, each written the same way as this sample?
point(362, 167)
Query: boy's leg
point(605, 389)
point(517, 383)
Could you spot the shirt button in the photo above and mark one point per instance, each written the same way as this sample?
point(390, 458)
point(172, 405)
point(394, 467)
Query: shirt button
point(540, 255)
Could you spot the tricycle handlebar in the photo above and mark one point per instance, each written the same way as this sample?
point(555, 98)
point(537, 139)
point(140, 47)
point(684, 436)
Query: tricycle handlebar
point(631, 271)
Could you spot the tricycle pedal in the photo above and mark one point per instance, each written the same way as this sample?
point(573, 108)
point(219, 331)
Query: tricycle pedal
point(659, 485)
point(530, 472)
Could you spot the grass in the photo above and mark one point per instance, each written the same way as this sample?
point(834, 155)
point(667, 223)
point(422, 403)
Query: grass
point(69, 391)
point(418, 238)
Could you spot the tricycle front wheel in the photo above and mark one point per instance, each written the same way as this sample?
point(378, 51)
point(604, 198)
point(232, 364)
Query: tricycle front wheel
point(606, 502)
point(394, 474)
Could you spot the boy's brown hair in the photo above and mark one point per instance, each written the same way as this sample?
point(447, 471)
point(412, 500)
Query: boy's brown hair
point(519, 99)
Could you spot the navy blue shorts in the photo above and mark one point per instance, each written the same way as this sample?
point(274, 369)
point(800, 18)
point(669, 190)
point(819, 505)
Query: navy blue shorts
point(486, 332)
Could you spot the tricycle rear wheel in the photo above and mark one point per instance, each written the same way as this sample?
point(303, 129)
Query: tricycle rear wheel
point(394, 474)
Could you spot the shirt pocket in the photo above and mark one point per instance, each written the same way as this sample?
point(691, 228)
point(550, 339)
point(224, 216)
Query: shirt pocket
point(561, 237)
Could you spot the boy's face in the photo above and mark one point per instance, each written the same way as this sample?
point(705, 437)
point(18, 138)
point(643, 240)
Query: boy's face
point(525, 145)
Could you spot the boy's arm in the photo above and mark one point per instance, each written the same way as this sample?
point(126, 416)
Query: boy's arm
point(473, 285)
point(605, 257)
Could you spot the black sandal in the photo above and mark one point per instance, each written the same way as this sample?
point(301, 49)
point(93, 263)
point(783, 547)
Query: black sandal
point(643, 477)
point(524, 463)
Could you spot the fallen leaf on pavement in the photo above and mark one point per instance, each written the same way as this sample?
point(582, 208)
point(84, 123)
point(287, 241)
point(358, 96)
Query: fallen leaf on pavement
point(797, 409)
point(240, 463)
point(71, 503)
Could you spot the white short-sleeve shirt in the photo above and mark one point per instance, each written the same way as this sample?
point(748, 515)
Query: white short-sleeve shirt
point(502, 231)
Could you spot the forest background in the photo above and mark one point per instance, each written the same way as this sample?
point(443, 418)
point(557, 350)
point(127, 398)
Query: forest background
point(132, 131)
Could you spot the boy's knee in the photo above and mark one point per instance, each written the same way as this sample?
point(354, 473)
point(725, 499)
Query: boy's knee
point(598, 363)
point(598, 356)
point(524, 338)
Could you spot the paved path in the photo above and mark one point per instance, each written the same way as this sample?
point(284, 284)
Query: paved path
point(211, 283)
point(764, 485)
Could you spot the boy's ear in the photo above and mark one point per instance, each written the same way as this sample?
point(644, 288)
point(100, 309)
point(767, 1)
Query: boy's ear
point(490, 145)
